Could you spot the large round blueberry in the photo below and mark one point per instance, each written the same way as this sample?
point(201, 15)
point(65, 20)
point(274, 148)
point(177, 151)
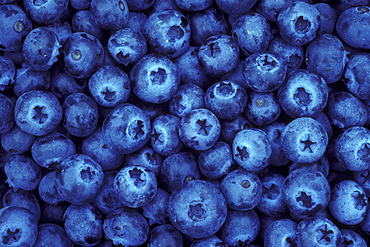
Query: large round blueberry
point(199, 129)
point(304, 140)
point(167, 32)
point(155, 79)
point(280, 233)
point(16, 141)
point(251, 149)
point(109, 14)
point(157, 209)
point(45, 11)
point(197, 209)
point(126, 128)
point(15, 25)
point(135, 186)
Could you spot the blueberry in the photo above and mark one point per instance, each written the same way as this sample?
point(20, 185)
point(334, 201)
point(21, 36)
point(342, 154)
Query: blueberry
point(80, 4)
point(126, 227)
point(136, 21)
point(48, 190)
point(83, 224)
point(127, 46)
point(241, 189)
point(165, 235)
point(299, 23)
point(210, 241)
point(79, 179)
point(199, 129)
point(157, 209)
point(80, 115)
point(328, 17)
point(322, 165)
point(305, 191)
point(62, 29)
point(280, 233)
point(16, 141)
point(197, 209)
point(53, 213)
point(126, 128)
point(251, 149)
point(229, 128)
point(219, 55)
point(226, 99)
point(167, 32)
point(82, 22)
point(235, 7)
point(251, 42)
point(351, 237)
point(15, 26)
point(348, 203)
point(45, 11)
point(304, 140)
point(6, 114)
point(187, 98)
point(8, 73)
point(50, 234)
point(292, 54)
point(139, 5)
point(50, 150)
point(146, 157)
point(28, 79)
point(109, 14)
point(264, 71)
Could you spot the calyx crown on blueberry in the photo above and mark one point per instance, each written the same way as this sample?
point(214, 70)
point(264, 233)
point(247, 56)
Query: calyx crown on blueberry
point(184, 123)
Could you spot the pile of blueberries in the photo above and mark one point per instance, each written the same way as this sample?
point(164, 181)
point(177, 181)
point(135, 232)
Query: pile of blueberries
point(185, 123)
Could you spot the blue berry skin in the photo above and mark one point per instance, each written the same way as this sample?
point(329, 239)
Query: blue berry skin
point(15, 26)
point(3, 189)
point(41, 48)
point(165, 235)
point(136, 21)
point(157, 209)
point(45, 12)
point(167, 32)
point(18, 227)
point(139, 5)
point(317, 231)
point(264, 71)
point(363, 179)
point(219, 55)
point(155, 79)
point(352, 28)
point(95, 147)
point(236, 75)
point(47, 189)
point(251, 149)
point(50, 234)
point(299, 23)
point(229, 128)
point(350, 237)
point(24, 199)
point(304, 140)
point(146, 157)
point(325, 122)
point(164, 138)
point(107, 201)
point(241, 189)
point(82, 55)
point(328, 17)
point(109, 86)
point(83, 224)
point(280, 233)
point(126, 128)
point(352, 148)
point(324, 48)
point(8, 73)
point(262, 108)
point(348, 203)
point(216, 162)
point(80, 4)
point(206, 23)
point(251, 42)
point(322, 165)
point(127, 46)
point(304, 94)
point(135, 186)
point(292, 54)
point(273, 131)
point(235, 7)
point(126, 227)
point(80, 117)
point(6, 114)
point(199, 129)
point(193, 5)
point(22, 172)
point(62, 29)
point(178, 169)
point(208, 242)
point(16, 141)
point(345, 110)
point(226, 99)
point(356, 77)
point(82, 22)
point(109, 14)
point(197, 209)
point(187, 98)
point(272, 203)
point(240, 227)
point(50, 150)
point(79, 179)
point(305, 191)
point(28, 79)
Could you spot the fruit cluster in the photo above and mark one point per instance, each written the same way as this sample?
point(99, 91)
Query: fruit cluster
point(184, 123)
